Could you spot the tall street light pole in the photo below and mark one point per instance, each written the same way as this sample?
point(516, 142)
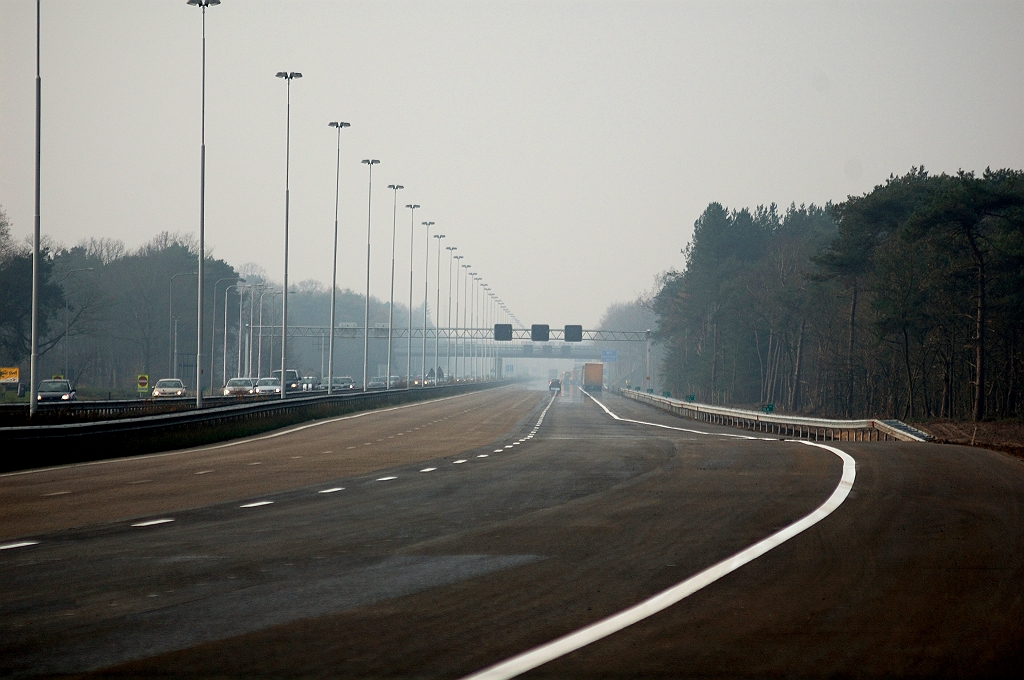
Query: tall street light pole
point(437, 311)
point(426, 276)
point(224, 355)
point(66, 324)
point(288, 76)
point(34, 351)
point(334, 267)
point(172, 368)
point(213, 333)
point(203, 4)
point(448, 356)
point(391, 305)
point(465, 310)
point(370, 162)
point(259, 350)
point(412, 239)
point(458, 261)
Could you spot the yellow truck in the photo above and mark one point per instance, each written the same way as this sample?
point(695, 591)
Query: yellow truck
point(593, 377)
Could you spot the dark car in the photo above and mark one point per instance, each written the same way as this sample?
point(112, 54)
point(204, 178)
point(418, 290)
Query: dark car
point(555, 386)
point(343, 382)
point(292, 381)
point(240, 387)
point(55, 390)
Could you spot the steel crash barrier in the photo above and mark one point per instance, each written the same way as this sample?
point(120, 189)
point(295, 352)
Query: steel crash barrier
point(814, 429)
point(35, 446)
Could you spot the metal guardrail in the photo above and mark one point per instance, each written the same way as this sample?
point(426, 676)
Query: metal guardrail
point(816, 429)
point(34, 446)
point(53, 413)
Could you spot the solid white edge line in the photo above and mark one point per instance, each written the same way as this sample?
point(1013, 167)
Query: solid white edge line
point(20, 544)
point(239, 442)
point(566, 644)
point(153, 522)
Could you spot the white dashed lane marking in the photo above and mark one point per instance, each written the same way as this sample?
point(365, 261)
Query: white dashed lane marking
point(482, 455)
point(498, 450)
point(256, 504)
point(153, 522)
point(20, 544)
point(56, 493)
point(337, 488)
point(386, 479)
point(204, 472)
point(428, 469)
point(458, 462)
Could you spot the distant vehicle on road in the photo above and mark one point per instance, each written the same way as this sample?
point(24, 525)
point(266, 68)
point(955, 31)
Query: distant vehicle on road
point(344, 382)
point(169, 387)
point(268, 386)
point(376, 383)
point(291, 379)
point(555, 386)
point(593, 377)
point(311, 383)
point(55, 390)
point(240, 387)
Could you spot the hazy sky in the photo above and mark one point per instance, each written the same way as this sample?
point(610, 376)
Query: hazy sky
point(565, 148)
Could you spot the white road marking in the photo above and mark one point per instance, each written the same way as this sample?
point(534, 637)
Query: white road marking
point(256, 504)
point(428, 469)
point(337, 488)
point(141, 481)
point(204, 472)
point(256, 463)
point(56, 493)
point(237, 442)
point(351, 447)
point(482, 455)
point(386, 479)
point(153, 522)
point(508, 446)
point(566, 644)
point(20, 544)
point(458, 462)
point(498, 450)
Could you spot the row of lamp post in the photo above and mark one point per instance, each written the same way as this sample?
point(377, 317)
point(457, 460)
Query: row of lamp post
point(288, 76)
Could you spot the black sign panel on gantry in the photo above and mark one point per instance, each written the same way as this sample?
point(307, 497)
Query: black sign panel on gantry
point(539, 332)
point(503, 331)
point(573, 334)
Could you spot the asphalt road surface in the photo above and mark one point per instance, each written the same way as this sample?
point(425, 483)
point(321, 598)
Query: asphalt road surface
point(442, 538)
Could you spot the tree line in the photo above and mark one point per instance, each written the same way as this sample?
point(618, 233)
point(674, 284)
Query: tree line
point(108, 313)
point(905, 302)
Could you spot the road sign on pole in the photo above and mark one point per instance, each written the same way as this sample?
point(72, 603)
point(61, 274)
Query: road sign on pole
point(609, 356)
point(9, 374)
point(143, 382)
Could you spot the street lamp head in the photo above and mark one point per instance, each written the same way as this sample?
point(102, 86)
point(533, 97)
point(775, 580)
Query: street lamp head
point(396, 187)
point(427, 224)
point(412, 205)
point(339, 125)
point(450, 248)
point(203, 3)
point(288, 76)
point(370, 162)
point(438, 235)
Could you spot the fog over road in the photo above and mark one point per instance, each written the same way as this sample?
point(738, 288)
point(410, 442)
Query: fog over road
point(440, 538)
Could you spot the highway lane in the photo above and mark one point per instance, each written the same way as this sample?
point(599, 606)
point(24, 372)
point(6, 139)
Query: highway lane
point(442, 573)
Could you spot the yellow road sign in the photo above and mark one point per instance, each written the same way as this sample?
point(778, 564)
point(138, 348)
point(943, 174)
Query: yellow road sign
point(9, 374)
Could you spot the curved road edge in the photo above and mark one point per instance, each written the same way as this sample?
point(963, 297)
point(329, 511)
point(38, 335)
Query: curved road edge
point(566, 644)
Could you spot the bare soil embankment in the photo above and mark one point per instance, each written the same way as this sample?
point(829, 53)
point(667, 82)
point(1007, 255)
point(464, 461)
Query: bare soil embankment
point(998, 435)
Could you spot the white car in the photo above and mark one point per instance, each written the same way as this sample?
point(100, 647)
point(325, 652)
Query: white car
point(169, 387)
point(268, 386)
